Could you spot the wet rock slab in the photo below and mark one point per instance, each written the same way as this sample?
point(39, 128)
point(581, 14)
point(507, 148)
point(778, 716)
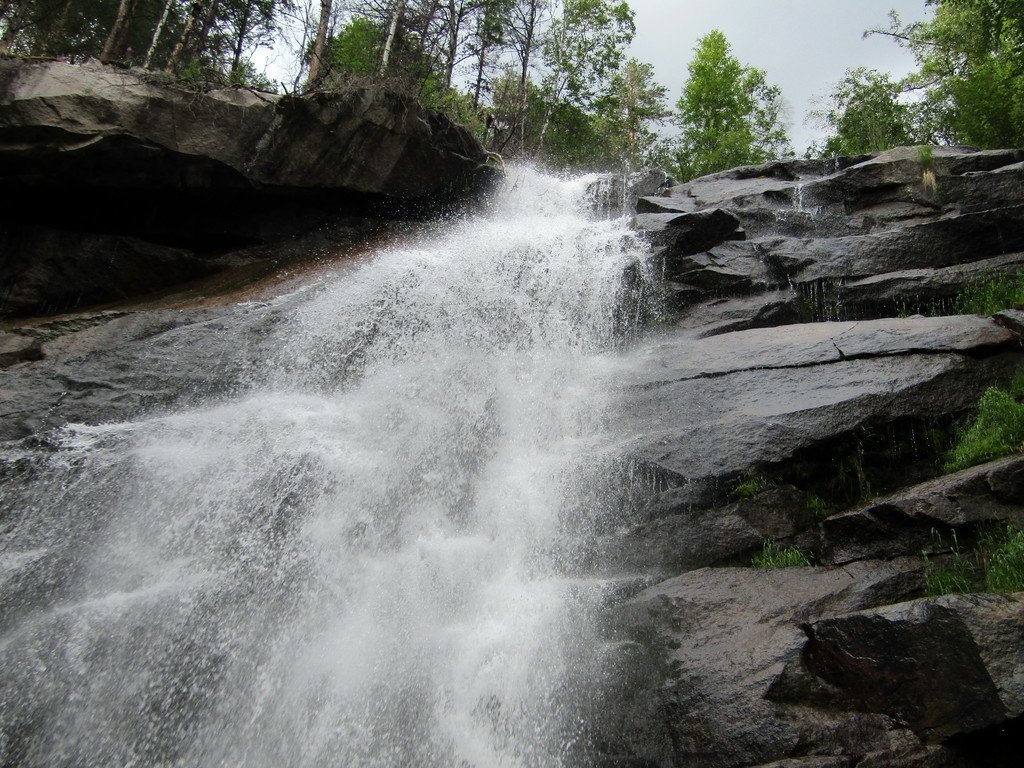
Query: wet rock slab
point(729, 635)
point(907, 522)
point(704, 410)
point(854, 235)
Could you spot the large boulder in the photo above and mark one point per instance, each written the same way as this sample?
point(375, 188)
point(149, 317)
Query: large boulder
point(943, 666)
point(721, 641)
point(91, 125)
point(920, 518)
point(743, 409)
point(118, 183)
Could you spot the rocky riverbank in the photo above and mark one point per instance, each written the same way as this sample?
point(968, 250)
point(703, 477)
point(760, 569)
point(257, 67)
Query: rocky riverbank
point(801, 392)
point(797, 397)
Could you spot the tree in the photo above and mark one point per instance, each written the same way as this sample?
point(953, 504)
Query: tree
point(728, 113)
point(525, 22)
point(357, 48)
point(317, 58)
point(971, 59)
point(585, 46)
point(113, 44)
point(247, 24)
point(865, 115)
point(634, 101)
point(488, 38)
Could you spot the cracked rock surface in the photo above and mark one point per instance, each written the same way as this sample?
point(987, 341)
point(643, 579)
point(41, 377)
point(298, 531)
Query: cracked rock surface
point(805, 389)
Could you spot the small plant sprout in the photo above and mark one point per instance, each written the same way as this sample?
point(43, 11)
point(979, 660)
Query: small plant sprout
point(774, 556)
point(751, 484)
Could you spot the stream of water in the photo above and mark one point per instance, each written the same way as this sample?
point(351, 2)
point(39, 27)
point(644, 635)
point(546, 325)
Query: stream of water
point(374, 557)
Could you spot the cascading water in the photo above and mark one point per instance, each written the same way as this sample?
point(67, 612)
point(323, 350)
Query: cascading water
point(375, 557)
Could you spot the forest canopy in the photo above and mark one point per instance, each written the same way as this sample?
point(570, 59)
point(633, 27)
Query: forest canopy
point(554, 79)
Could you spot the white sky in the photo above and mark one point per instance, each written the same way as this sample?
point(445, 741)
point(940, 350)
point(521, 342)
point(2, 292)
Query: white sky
point(803, 45)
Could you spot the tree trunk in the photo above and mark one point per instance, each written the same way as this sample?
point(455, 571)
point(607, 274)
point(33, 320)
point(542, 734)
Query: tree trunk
point(113, 43)
point(14, 25)
point(479, 75)
point(392, 31)
point(316, 68)
point(60, 35)
point(454, 24)
point(208, 20)
point(186, 33)
point(156, 33)
point(529, 33)
point(242, 30)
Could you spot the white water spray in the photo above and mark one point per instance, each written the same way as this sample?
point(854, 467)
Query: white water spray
point(372, 559)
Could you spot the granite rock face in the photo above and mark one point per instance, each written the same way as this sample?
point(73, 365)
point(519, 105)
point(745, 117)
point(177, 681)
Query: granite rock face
point(762, 411)
point(793, 398)
point(119, 184)
point(851, 238)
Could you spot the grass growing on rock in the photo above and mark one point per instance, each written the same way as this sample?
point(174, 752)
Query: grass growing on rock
point(997, 430)
point(774, 556)
point(954, 578)
point(991, 295)
point(751, 484)
point(1002, 553)
point(996, 565)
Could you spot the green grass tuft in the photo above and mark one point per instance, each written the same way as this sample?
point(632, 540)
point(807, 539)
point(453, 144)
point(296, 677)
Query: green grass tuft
point(1002, 552)
point(926, 157)
point(996, 565)
point(750, 485)
point(997, 430)
point(774, 556)
point(957, 578)
point(991, 295)
point(818, 506)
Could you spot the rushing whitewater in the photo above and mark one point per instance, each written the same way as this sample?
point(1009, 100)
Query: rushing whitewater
point(377, 554)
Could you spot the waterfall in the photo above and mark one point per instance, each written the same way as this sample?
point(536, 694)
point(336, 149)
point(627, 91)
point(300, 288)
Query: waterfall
point(376, 555)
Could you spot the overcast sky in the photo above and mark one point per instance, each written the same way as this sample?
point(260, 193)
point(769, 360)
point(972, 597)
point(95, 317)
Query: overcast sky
point(803, 45)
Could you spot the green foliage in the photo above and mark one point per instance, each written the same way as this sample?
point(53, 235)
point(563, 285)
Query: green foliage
point(957, 577)
point(996, 565)
point(971, 71)
point(818, 506)
point(356, 49)
point(1002, 553)
point(864, 115)
point(633, 102)
point(455, 105)
point(774, 556)
point(926, 157)
point(991, 295)
point(585, 48)
point(245, 75)
point(851, 480)
point(751, 484)
point(997, 430)
point(728, 113)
